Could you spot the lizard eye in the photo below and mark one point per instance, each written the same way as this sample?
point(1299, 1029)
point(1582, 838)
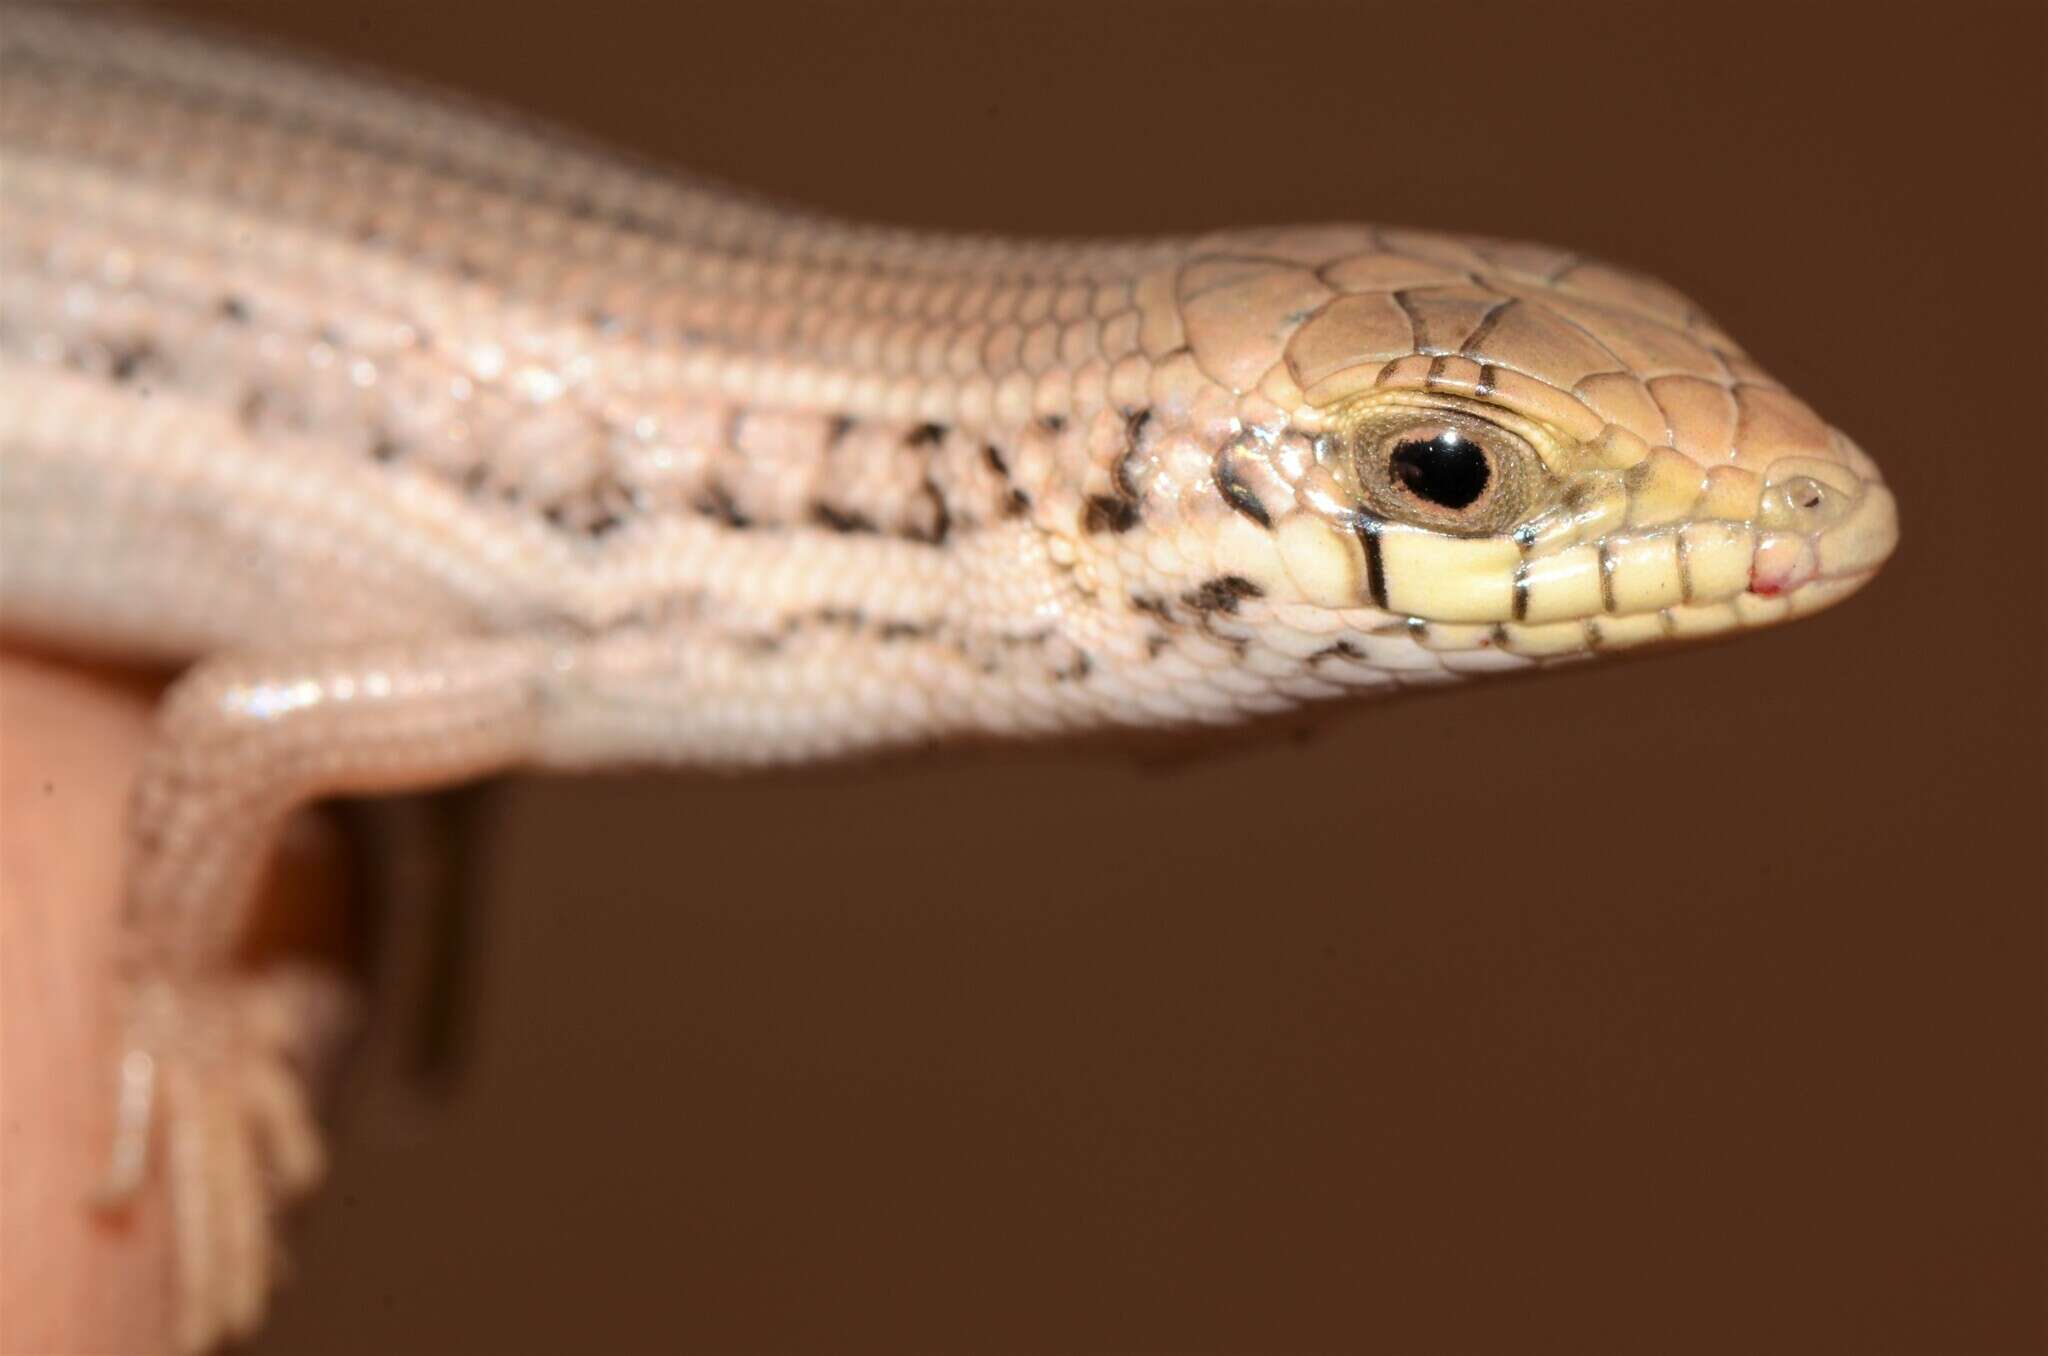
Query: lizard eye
point(1446, 470)
point(1439, 465)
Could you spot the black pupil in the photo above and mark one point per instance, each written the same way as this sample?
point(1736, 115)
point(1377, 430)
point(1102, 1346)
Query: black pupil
point(1448, 470)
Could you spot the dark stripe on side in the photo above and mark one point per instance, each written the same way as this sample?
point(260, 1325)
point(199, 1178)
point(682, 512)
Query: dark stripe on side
point(1368, 529)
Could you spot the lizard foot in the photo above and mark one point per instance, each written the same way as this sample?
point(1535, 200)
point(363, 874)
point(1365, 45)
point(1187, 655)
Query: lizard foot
point(229, 1057)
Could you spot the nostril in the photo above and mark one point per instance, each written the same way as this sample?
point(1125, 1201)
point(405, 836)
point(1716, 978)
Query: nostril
point(1812, 502)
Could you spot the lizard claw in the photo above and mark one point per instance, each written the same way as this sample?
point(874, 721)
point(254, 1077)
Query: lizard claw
point(128, 1158)
point(225, 1057)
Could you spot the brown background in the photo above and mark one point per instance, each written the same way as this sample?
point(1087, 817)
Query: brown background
point(1692, 1005)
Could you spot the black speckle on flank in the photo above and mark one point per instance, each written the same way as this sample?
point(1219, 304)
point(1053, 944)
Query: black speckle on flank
point(942, 517)
point(717, 503)
point(1120, 474)
point(1108, 514)
point(1221, 594)
point(840, 520)
point(1118, 512)
point(125, 360)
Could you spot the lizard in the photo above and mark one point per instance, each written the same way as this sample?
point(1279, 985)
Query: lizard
point(431, 444)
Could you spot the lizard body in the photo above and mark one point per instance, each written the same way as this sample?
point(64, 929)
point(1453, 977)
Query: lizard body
point(436, 445)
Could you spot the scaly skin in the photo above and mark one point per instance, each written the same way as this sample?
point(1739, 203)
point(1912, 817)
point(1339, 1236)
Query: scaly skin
point(439, 446)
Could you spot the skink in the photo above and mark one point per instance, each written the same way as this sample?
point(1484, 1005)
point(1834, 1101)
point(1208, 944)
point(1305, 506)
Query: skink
point(435, 444)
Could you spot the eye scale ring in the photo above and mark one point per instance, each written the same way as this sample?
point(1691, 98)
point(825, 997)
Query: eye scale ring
point(1445, 465)
point(1440, 465)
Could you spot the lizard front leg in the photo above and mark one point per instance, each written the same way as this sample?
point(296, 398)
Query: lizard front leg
point(242, 742)
point(245, 740)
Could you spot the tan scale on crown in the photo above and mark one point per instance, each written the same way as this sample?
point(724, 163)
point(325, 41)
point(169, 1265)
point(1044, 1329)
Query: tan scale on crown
point(1688, 491)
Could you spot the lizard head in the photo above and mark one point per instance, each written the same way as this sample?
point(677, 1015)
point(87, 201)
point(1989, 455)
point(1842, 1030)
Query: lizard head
point(1491, 453)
